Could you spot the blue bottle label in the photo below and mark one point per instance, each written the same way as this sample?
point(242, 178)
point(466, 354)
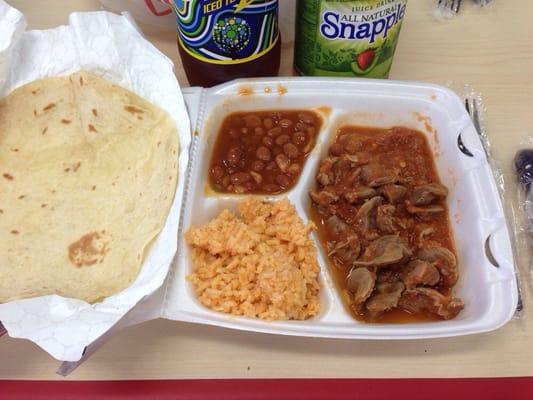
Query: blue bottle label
point(227, 31)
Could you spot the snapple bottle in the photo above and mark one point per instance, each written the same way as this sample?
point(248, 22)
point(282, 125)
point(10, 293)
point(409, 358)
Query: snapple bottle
point(347, 38)
point(220, 40)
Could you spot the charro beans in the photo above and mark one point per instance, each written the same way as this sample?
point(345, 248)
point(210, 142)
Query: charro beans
point(262, 151)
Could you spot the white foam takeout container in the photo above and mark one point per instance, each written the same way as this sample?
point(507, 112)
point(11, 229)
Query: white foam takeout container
point(475, 210)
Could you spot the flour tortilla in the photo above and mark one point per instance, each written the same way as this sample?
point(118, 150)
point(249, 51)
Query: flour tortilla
point(88, 173)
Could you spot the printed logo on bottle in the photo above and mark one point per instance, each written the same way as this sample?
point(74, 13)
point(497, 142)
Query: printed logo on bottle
point(227, 31)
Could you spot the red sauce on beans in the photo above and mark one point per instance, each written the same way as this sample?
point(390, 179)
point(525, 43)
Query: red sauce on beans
point(262, 152)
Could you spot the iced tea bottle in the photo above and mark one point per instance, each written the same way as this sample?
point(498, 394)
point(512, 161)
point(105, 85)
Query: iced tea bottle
point(220, 40)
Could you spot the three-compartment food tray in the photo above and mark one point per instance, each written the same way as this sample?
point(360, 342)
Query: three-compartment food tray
point(487, 283)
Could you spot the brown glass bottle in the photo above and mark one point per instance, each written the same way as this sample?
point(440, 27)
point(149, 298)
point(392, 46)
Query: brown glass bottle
point(221, 41)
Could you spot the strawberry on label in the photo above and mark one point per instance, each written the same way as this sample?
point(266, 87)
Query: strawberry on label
point(364, 59)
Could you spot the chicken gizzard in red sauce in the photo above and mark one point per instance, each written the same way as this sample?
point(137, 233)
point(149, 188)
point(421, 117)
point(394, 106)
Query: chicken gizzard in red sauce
point(382, 218)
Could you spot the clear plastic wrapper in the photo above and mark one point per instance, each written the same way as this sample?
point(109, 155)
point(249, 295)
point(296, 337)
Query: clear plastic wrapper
point(516, 204)
point(446, 9)
point(523, 164)
point(523, 212)
point(483, 3)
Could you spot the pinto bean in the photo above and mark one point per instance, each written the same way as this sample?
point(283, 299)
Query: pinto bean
point(240, 189)
point(282, 162)
point(252, 121)
point(268, 123)
point(271, 166)
point(282, 139)
point(290, 150)
point(299, 138)
point(270, 188)
point(257, 177)
point(234, 156)
point(294, 170)
point(274, 131)
point(263, 153)
point(309, 146)
point(282, 180)
point(285, 123)
point(268, 141)
point(258, 165)
point(238, 178)
point(300, 126)
point(306, 118)
point(226, 181)
point(218, 173)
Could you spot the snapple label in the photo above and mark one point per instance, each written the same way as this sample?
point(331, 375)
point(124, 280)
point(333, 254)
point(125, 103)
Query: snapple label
point(347, 38)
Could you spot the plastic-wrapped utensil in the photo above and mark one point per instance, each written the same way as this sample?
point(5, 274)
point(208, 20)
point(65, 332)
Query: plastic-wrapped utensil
point(524, 169)
point(446, 9)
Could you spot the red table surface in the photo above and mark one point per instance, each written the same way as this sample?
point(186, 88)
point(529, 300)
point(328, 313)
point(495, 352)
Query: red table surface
point(293, 389)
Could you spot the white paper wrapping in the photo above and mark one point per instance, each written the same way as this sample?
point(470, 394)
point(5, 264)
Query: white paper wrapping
point(108, 45)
